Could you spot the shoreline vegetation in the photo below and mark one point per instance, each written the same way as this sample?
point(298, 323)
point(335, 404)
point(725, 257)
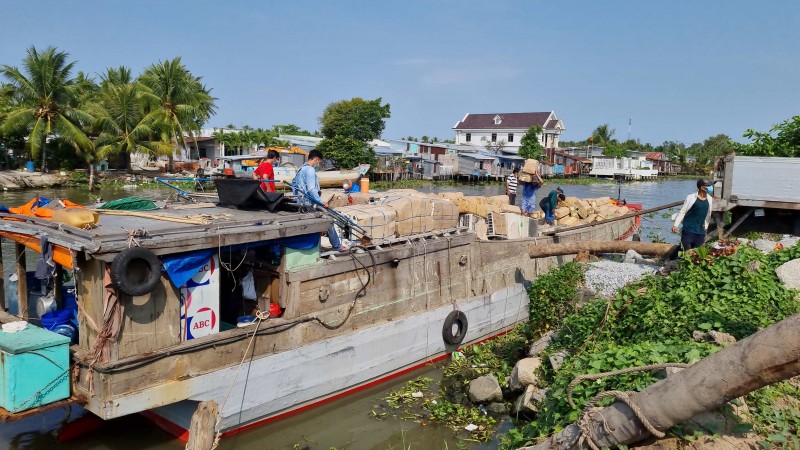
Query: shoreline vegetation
point(13, 180)
point(676, 315)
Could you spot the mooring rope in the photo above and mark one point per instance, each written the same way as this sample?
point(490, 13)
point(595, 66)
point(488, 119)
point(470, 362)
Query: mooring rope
point(584, 421)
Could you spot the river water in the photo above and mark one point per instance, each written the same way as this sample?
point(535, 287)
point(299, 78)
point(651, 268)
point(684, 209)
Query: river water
point(344, 423)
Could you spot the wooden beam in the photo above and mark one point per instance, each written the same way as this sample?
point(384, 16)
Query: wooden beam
point(572, 248)
point(201, 431)
point(22, 280)
point(58, 284)
point(2, 281)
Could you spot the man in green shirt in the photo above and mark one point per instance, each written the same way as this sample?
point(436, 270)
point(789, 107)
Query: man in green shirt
point(695, 215)
point(549, 204)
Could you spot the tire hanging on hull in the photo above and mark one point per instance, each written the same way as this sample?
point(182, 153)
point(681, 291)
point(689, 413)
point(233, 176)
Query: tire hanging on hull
point(455, 319)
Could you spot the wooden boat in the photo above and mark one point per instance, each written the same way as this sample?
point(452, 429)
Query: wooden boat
point(348, 321)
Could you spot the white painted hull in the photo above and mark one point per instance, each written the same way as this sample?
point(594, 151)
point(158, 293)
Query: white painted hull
point(277, 384)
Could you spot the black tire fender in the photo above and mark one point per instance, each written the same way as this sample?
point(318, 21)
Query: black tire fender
point(455, 319)
point(135, 271)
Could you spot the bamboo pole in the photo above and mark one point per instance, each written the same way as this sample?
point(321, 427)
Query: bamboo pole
point(201, 431)
point(626, 216)
point(571, 248)
point(22, 281)
point(114, 212)
point(766, 357)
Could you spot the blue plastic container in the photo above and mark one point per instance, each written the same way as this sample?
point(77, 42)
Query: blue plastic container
point(69, 330)
point(55, 318)
point(68, 298)
point(29, 166)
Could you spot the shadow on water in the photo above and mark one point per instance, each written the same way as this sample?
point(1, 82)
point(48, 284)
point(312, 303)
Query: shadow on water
point(344, 423)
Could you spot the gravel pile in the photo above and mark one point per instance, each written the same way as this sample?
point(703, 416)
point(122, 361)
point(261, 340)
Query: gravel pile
point(606, 277)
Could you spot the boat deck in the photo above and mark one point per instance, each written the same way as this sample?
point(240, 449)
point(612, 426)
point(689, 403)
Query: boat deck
point(171, 230)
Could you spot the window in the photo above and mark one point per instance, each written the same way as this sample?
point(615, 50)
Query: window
point(469, 137)
point(510, 137)
point(498, 120)
point(494, 137)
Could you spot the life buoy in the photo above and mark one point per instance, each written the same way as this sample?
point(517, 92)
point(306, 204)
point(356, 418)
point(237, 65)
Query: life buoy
point(135, 271)
point(455, 328)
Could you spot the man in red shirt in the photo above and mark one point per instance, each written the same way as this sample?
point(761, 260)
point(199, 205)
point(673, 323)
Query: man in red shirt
point(264, 171)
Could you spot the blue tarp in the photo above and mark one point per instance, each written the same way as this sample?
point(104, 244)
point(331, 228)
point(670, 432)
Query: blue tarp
point(183, 266)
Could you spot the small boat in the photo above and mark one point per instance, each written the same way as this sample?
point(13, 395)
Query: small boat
point(328, 324)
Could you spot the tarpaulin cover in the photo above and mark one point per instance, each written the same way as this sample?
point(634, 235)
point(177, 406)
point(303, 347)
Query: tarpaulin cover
point(183, 266)
point(130, 204)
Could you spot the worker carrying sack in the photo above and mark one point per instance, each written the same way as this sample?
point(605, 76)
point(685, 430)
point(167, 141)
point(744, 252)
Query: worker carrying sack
point(529, 171)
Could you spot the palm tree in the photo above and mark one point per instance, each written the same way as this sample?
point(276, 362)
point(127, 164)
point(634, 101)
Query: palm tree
point(177, 103)
point(603, 135)
point(120, 117)
point(46, 102)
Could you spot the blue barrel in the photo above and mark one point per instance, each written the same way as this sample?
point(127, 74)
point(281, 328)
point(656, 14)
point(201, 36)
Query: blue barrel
point(55, 318)
point(29, 167)
point(70, 302)
point(68, 330)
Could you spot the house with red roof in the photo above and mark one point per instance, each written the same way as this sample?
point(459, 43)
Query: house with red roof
point(506, 129)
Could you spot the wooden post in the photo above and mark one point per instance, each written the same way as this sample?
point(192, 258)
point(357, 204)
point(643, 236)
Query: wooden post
point(2, 281)
point(201, 431)
point(22, 281)
point(58, 284)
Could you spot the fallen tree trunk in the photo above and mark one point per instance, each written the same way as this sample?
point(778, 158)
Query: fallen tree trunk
point(572, 248)
point(768, 356)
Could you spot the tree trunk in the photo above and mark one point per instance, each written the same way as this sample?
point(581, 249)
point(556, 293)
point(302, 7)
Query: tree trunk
point(768, 356)
point(572, 248)
point(91, 176)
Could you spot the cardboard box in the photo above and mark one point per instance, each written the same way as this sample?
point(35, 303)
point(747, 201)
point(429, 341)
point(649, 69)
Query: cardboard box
point(379, 221)
point(414, 214)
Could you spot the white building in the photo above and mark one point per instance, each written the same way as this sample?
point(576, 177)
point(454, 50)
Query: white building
point(507, 129)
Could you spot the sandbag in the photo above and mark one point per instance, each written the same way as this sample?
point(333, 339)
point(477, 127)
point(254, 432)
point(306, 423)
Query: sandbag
point(76, 217)
point(451, 195)
point(526, 178)
point(570, 201)
point(510, 209)
point(380, 222)
point(531, 166)
point(568, 221)
point(414, 214)
point(497, 200)
point(602, 201)
point(561, 212)
point(444, 214)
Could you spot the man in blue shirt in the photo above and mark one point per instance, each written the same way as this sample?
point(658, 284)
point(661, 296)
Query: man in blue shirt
point(307, 183)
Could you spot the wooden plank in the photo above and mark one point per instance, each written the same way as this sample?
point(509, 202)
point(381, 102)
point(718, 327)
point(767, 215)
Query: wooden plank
point(89, 292)
point(22, 280)
point(150, 322)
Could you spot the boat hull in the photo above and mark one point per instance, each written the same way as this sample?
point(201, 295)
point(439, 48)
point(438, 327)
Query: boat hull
point(322, 371)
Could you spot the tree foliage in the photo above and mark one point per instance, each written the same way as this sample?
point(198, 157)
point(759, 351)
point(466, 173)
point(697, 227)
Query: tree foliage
point(46, 101)
point(603, 135)
point(612, 149)
point(529, 145)
point(346, 152)
point(782, 140)
point(360, 119)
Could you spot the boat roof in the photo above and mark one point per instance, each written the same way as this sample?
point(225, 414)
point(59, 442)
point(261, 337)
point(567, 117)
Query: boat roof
point(181, 228)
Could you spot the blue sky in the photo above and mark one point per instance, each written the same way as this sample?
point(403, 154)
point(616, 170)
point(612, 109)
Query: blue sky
point(682, 70)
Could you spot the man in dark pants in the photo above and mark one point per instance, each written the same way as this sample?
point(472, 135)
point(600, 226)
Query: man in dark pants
point(695, 215)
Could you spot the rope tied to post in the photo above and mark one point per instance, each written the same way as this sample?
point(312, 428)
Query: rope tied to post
point(585, 420)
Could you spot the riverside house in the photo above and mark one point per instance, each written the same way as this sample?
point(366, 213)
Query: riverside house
point(507, 129)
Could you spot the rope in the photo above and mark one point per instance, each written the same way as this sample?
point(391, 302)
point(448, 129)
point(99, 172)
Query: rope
point(585, 421)
point(260, 316)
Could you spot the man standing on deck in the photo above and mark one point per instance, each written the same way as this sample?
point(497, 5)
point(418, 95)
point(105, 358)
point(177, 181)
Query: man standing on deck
point(549, 204)
point(695, 215)
point(264, 171)
point(306, 184)
point(511, 186)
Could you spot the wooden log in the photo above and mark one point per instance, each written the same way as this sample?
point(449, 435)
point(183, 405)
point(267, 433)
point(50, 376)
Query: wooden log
point(764, 358)
point(573, 248)
point(201, 431)
point(22, 281)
